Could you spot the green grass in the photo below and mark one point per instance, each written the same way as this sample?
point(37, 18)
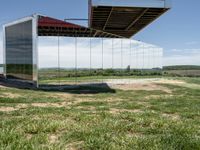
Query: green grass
point(165, 121)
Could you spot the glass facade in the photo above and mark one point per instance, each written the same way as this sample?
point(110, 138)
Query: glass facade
point(72, 61)
point(19, 51)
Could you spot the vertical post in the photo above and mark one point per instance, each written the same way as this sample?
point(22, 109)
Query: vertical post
point(4, 52)
point(59, 60)
point(136, 56)
point(143, 57)
point(102, 65)
point(35, 51)
point(153, 58)
point(112, 60)
point(23, 57)
point(130, 54)
point(147, 57)
point(76, 59)
point(161, 57)
point(90, 56)
point(121, 57)
point(130, 63)
point(112, 54)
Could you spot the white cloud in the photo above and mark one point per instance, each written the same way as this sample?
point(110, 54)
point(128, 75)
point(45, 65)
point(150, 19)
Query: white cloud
point(182, 60)
point(48, 53)
point(192, 43)
point(182, 57)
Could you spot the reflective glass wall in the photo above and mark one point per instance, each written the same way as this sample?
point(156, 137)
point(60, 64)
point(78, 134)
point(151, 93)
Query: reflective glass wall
point(74, 61)
point(19, 55)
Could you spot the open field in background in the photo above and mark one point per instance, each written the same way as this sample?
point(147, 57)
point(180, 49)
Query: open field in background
point(155, 113)
point(182, 71)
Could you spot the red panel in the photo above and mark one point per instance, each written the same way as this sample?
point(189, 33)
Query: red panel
point(51, 22)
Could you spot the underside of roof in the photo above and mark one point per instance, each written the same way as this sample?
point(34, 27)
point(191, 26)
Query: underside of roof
point(53, 27)
point(124, 20)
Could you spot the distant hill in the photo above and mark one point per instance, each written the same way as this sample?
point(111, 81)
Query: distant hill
point(182, 67)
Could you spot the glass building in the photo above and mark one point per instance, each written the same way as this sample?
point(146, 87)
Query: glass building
point(103, 45)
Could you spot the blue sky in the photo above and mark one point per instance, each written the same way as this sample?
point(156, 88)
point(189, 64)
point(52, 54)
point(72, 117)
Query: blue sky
point(178, 31)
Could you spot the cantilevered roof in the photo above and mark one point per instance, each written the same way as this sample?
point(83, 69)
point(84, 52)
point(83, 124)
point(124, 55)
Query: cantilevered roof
point(48, 26)
point(125, 17)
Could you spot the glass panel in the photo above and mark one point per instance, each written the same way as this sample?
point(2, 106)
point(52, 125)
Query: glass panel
point(78, 61)
point(48, 60)
point(83, 61)
point(19, 51)
point(107, 60)
point(67, 61)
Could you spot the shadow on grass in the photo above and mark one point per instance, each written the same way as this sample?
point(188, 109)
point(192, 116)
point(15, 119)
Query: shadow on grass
point(91, 88)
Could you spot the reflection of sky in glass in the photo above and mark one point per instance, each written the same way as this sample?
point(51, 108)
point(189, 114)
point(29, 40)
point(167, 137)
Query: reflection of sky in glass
point(106, 53)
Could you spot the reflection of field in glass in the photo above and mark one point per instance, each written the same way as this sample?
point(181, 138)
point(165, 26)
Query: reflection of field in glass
point(55, 76)
point(1, 70)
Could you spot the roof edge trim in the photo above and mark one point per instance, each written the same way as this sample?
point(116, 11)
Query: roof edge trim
point(133, 3)
point(20, 20)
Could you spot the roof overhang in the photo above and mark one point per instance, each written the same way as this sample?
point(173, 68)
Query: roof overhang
point(48, 26)
point(125, 17)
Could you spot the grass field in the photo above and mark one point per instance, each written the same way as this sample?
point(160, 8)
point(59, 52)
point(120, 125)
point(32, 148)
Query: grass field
point(162, 113)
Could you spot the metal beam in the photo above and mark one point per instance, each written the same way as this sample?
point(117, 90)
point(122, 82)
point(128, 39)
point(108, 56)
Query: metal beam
point(108, 18)
point(138, 17)
point(95, 34)
point(76, 19)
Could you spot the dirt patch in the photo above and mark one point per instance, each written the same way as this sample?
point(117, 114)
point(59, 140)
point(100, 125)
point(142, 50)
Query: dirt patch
point(149, 84)
point(86, 99)
point(21, 106)
point(171, 116)
point(178, 83)
point(135, 134)
point(1, 86)
point(81, 100)
point(167, 81)
point(90, 108)
point(63, 96)
point(145, 104)
point(116, 111)
point(142, 86)
point(29, 136)
point(158, 96)
point(58, 105)
point(53, 138)
point(7, 109)
point(10, 95)
point(152, 97)
point(111, 99)
point(74, 145)
point(44, 105)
